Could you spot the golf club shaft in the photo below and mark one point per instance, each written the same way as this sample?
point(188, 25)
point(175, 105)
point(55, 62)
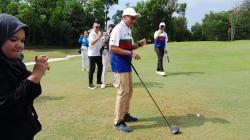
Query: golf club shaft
point(167, 56)
point(150, 95)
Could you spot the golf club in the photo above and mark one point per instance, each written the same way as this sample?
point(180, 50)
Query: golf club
point(173, 130)
point(167, 56)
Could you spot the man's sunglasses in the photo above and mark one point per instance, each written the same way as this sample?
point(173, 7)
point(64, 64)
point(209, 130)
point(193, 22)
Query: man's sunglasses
point(132, 17)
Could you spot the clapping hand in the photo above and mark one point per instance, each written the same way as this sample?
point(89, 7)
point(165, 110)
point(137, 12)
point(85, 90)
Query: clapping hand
point(39, 69)
point(42, 59)
point(143, 42)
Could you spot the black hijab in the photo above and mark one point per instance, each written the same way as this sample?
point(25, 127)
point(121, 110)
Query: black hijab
point(9, 25)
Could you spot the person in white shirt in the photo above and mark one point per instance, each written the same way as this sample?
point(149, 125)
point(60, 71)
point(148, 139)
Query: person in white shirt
point(95, 45)
point(122, 46)
point(160, 44)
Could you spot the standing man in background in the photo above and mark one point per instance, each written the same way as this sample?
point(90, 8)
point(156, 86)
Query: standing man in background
point(160, 44)
point(95, 45)
point(122, 46)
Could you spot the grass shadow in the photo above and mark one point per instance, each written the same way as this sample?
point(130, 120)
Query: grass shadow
point(183, 73)
point(189, 120)
point(48, 98)
point(148, 84)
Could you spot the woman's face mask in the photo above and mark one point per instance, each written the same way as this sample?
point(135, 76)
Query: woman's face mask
point(14, 46)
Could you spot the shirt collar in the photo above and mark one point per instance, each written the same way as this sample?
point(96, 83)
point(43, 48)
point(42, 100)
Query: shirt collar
point(124, 24)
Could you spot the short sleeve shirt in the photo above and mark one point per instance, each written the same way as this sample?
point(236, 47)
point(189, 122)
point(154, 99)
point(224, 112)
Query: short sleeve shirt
point(94, 50)
point(160, 40)
point(121, 37)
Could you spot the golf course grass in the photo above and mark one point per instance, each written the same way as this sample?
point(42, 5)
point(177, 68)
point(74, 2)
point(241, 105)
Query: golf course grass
point(210, 79)
point(51, 53)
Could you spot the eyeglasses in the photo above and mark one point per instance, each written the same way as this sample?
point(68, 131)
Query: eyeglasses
point(162, 26)
point(97, 27)
point(132, 17)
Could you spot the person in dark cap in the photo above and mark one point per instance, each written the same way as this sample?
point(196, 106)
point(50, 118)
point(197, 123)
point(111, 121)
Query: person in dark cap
point(18, 86)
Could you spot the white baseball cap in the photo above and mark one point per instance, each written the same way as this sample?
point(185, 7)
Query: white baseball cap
point(162, 24)
point(130, 12)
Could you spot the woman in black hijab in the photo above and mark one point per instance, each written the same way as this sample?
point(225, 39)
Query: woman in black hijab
point(18, 86)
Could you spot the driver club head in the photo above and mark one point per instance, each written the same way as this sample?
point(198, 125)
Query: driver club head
point(175, 130)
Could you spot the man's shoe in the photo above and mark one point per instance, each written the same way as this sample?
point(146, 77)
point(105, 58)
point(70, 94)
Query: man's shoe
point(158, 72)
point(129, 118)
point(103, 86)
point(162, 73)
point(92, 87)
point(115, 85)
point(98, 83)
point(122, 126)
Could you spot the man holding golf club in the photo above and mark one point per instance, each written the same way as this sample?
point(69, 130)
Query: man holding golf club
point(160, 43)
point(122, 46)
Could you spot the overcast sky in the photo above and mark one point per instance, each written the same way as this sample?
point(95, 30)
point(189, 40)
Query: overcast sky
point(196, 9)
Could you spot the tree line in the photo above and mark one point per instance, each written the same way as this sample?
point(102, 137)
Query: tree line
point(226, 25)
point(59, 22)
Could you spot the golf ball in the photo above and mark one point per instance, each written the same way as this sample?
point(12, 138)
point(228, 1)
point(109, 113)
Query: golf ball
point(198, 115)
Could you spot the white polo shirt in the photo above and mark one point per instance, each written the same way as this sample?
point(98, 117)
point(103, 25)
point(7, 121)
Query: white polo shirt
point(94, 50)
point(120, 32)
point(121, 37)
point(160, 40)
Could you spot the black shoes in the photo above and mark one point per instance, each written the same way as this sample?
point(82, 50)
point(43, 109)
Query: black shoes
point(129, 118)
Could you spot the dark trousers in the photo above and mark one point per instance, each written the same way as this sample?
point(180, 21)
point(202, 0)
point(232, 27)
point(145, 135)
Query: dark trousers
point(160, 53)
point(92, 61)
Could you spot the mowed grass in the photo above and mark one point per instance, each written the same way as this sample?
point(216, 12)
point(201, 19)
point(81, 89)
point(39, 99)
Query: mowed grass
point(209, 79)
point(51, 53)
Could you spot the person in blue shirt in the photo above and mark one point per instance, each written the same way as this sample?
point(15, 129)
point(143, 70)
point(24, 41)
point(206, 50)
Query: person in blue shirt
point(83, 39)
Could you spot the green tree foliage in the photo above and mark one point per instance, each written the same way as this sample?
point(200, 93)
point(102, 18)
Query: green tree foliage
point(99, 9)
point(223, 25)
point(197, 32)
point(179, 29)
point(107, 4)
point(3, 5)
point(57, 22)
point(215, 26)
point(155, 11)
point(242, 25)
point(117, 16)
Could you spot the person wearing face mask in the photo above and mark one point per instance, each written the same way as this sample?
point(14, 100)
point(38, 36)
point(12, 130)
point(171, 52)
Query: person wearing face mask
point(160, 46)
point(18, 86)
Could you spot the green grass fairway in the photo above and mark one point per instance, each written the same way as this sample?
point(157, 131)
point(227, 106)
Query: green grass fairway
point(209, 78)
point(52, 53)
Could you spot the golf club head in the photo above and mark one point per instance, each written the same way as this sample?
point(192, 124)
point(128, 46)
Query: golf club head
point(175, 130)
